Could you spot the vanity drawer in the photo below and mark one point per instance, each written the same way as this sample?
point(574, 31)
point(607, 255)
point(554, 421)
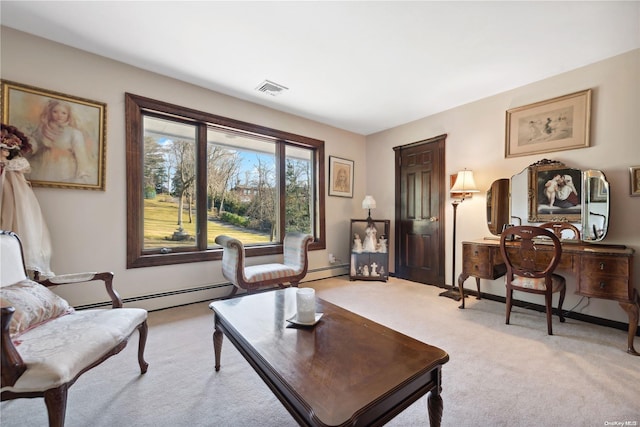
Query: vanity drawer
point(476, 252)
point(618, 266)
point(604, 286)
point(607, 277)
point(482, 270)
point(543, 258)
point(477, 260)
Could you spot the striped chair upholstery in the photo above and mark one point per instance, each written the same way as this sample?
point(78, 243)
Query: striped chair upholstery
point(291, 270)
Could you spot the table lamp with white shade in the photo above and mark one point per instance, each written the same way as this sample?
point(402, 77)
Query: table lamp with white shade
point(369, 203)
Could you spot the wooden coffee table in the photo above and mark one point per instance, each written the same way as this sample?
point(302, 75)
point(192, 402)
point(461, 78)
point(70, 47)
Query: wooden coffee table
point(344, 371)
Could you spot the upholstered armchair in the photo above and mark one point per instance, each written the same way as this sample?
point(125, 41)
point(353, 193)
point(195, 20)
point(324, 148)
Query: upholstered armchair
point(46, 344)
point(250, 278)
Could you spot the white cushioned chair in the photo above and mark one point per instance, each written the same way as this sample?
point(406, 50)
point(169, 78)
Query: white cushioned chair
point(46, 344)
point(250, 278)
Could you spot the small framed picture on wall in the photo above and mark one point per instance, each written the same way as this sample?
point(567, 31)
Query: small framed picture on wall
point(340, 177)
point(634, 175)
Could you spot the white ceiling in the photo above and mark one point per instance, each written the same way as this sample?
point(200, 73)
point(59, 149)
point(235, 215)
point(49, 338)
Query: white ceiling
point(363, 66)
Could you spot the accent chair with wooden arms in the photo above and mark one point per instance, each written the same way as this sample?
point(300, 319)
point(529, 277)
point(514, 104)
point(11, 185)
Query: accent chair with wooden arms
point(250, 278)
point(532, 271)
point(46, 344)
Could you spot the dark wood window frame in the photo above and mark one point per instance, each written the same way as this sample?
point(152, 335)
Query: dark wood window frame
point(135, 107)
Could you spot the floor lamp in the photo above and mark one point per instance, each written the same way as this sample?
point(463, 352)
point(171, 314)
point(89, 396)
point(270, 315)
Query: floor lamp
point(463, 188)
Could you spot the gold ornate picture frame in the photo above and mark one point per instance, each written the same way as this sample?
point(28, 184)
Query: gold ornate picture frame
point(558, 124)
point(67, 134)
point(555, 192)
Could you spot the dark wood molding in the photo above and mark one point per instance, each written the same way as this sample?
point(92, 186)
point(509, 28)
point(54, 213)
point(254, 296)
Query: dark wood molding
point(137, 256)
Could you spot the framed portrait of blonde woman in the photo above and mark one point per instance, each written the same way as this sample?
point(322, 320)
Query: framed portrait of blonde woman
point(67, 135)
point(340, 177)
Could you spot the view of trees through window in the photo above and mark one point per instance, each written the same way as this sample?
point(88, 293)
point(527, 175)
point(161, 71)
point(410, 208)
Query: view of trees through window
point(242, 185)
point(193, 175)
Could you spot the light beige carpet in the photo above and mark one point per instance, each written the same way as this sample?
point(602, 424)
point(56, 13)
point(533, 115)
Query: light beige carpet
point(498, 375)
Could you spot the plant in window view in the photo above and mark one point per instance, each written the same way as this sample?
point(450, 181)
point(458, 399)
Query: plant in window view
point(298, 196)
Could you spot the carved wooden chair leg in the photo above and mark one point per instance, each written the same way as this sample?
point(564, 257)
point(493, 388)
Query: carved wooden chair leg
point(560, 302)
point(549, 311)
point(56, 401)
point(509, 297)
point(143, 330)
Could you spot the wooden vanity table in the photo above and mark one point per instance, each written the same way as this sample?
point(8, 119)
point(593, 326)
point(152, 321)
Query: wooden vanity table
point(600, 271)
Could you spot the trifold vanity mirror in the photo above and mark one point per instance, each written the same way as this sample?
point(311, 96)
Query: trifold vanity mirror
point(549, 191)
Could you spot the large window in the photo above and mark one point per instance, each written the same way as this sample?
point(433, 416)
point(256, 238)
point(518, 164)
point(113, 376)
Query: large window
point(192, 176)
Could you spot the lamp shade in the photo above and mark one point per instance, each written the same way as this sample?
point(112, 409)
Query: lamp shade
point(369, 202)
point(464, 183)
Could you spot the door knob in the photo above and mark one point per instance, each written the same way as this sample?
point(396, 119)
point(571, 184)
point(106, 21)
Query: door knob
point(433, 219)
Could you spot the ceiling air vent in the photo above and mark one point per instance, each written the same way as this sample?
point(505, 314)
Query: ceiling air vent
point(271, 88)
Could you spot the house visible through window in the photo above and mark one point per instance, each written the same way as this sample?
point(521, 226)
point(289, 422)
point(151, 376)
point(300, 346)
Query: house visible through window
point(192, 176)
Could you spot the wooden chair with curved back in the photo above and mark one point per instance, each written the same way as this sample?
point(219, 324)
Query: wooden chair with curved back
point(531, 271)
point(559, 227)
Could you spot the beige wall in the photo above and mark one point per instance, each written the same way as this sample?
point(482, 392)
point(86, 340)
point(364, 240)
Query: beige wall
point(476, 135)
point(89, 227)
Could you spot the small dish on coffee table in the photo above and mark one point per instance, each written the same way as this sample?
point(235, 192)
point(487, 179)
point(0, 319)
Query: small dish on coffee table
point(295, 321)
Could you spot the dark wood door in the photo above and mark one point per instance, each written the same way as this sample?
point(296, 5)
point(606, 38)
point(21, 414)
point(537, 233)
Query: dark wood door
point(420, 211)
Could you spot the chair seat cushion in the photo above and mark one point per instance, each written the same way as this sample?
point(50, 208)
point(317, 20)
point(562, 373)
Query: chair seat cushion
point(57, 351)
point(557, 282)
point(259, 273)
point(34, 304)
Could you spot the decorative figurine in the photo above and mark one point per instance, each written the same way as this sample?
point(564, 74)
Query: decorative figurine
point(365, 270)
point(382, 245)
point(374, 266)
point(357, 244)
point(370, 238)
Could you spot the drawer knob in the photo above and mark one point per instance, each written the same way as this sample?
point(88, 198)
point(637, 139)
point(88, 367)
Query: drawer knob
point(602, 266)
point(602, 285)
point(475, 253)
